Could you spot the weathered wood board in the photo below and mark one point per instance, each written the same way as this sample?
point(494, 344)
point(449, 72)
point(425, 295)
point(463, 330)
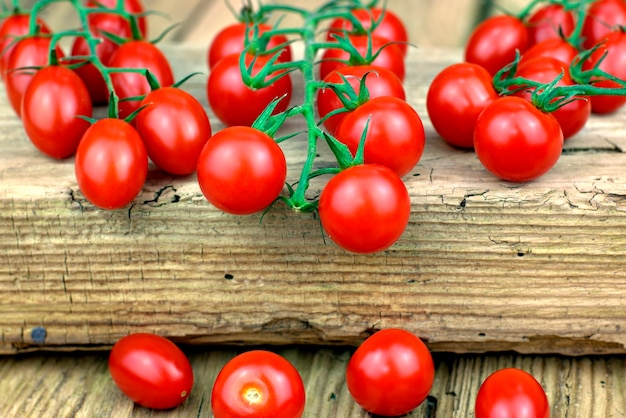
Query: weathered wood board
point(484, 265)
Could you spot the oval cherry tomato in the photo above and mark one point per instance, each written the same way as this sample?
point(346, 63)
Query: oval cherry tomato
point(391, 373)
point(559, 49)
point(494, 42)
point(56, 131)
point(365, 208)
point(511, 393)
point(380, 82)
point(395, 133)
point(28, 52)
point(515, 141)
point(236, 104)
point(111, 164)
point(603, 17)
point(138, 54)
point(151, 370)
point(11, 28)
point(174, 127)
point(258, 384)
point(390, 56)
point(459, 93)
point(231, 40)
point(241, 170)
point(388, 26)
point(551, 21)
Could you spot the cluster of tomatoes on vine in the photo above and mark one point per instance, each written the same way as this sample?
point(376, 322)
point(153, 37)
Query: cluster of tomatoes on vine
point(531, 81)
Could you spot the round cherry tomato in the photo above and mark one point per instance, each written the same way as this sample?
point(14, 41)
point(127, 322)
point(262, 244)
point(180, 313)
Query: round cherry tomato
point(365, 208)
point(603, 17)
point(391, 373)
point(511, 393)
point(390, 56)
point(258, 384)
point(395, 133)
point(515, 141)
point(559, 49)
point(28, 52)
point(241, 170)
point(174, 127)
point(380, 82)
point(236, 104)
point(459, 93)
point(388, 26)
point(494, 42)
point(231, 40)
point(132, 6)
point(151, 370)
point(11, 28)
point(138, 54)
point(551, 21)
point(111, 164)
point(56, 131)
point(609, 57)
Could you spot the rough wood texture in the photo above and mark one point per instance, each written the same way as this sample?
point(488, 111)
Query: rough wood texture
point(484, 265)
point(80, 386)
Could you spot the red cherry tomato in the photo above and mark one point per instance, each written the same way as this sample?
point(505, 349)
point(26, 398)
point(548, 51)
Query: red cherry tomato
point(151, 370)
point(391, 373)
point(459, 93)
point(231, 40)
point(365, 208)
point(559, 49)
point(258, 384)
point(11, 28)
point(111, 164)
point(603, 17)
point(390, 56)
point(494, 42)
point(236, 104)
point(28, 52)
point(138, 54)
point(241, 170)
point(174, 128)
point(395, 133)
point(132, 6)
point(515, 141)
point(551, 21)
point(56, 131)
point(388, 26)
point(380, 82)
point(511, 393)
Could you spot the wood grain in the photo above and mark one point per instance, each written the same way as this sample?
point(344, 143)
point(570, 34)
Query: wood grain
point(484, 265)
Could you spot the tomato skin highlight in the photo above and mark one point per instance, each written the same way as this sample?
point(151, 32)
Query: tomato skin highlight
point(111, 164)
point(151, 370)
point(241, 170)
point(57, 131)
point(511, 393)
point(391, 373)
point(258, 384)
point(365, 208)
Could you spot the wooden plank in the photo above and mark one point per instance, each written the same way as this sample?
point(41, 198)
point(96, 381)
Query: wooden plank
point(80, 386)
point(484, 265)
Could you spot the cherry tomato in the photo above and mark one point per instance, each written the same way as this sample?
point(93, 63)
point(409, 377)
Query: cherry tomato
point(12, 27)
point(551, 21)
point(515, 141)
point(138, 54)
point(151, 370)
point(609, 57)
point(174, 127)
point(241, 170)
point(231, 40)
point(390, 56)
point(236, 104)
point(459, 93)
point(258, 384)
point(28, 52)
point(365, 208)
point(573, 116)
point(559, 49)
point(56, 131)
point(133, 6)
point(511, 393)
point(494, 42)
point(388, 26)
point(603, 17)
point(111, 164)
point(391, 373)
point(395, 133)
point(380, 82)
